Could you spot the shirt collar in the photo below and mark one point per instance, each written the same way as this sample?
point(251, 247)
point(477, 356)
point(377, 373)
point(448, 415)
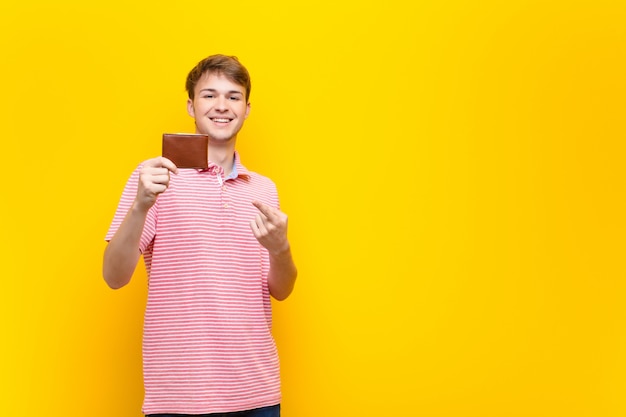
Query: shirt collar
point(238, 169)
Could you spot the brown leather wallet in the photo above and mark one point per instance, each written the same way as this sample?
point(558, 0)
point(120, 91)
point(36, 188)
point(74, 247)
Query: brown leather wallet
point(186, 150)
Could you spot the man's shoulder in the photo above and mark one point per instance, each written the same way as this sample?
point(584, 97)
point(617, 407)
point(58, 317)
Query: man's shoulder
point(260, 180)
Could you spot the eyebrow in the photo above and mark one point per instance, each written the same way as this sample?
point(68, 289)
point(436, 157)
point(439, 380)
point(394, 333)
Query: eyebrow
point(212, 90)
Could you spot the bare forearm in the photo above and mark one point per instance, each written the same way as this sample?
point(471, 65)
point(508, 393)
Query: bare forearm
point(122, 253)
point(282, 275)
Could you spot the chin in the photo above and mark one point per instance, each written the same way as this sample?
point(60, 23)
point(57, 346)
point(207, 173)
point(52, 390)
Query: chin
point(220, 138)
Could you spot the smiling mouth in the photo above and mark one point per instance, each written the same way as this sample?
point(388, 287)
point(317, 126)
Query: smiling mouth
point(220, 120)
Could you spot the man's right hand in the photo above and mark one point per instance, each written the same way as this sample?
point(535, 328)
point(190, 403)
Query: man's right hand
point(154, 178)
point(122, 252)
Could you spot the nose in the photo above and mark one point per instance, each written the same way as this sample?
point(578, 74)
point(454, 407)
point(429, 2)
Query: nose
point(221, 103)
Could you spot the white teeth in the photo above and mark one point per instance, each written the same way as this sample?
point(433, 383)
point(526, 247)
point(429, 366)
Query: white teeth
point(221, 120)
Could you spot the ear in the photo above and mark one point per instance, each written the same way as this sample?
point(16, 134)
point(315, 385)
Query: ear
point(247, 110)
point(190, 108)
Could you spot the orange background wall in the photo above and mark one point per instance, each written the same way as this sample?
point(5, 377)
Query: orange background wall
point(453, 171)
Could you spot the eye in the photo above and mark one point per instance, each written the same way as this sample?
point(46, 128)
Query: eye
point(235, 98)
point(208, 96)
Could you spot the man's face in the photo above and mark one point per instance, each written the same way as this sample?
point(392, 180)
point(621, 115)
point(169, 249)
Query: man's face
point(219, 107)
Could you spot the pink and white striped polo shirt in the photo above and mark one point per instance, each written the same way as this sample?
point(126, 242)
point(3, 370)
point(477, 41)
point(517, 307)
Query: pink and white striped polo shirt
point(207, 343)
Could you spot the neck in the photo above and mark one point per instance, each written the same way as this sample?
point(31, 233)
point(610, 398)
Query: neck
point(222, 154)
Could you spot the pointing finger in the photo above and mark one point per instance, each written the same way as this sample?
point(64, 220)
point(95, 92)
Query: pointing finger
point(265, 209)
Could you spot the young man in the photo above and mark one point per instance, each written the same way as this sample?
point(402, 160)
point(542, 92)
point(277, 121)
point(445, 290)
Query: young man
point(215, 247)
